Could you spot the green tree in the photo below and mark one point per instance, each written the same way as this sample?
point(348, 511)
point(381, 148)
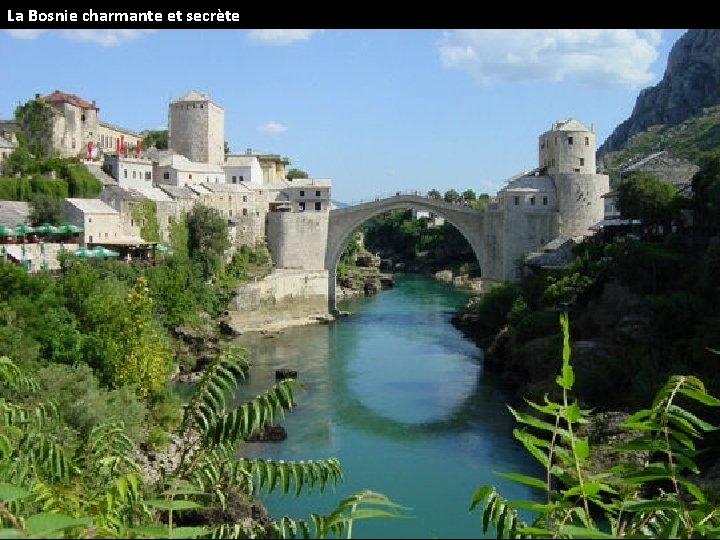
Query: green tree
point(295, 173)
point(706, 192)
point(139, 353)
point(451, 196)
point(35, 118)
point(207, 239)
point(20, 162)
point(434, 194)
point(157, 138)
point(226, 148)
point(45, 209)
point(469, 195)
point(641, 195)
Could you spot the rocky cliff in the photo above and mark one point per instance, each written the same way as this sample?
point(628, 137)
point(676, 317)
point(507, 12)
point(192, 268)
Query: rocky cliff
point(691, 83)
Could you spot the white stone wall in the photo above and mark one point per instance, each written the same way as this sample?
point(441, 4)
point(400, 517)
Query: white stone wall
point(292, 291)
point(196, 129)
point(244, 174)
point(580, 202)
point(564, 151)
point(129, 172)
point(298, 240)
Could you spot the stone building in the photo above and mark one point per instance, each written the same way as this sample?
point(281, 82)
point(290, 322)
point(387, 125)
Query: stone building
point(196, 129)
point(561, 199)
point(243, 169)
point(177, 170)
point(6, 148)
point(101, 223)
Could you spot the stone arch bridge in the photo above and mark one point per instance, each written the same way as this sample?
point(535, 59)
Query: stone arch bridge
point(344, 221)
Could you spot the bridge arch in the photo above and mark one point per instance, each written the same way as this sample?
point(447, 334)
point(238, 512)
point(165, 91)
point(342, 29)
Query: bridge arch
point(344, 221)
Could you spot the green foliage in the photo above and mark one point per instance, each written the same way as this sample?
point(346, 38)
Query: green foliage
point(493, 307)
point(155, 137)
point(652, 498)
point(247, 264)
point(451, 196)
point(207, 239)
point(82, 184)
point(706, 193)
point(178, 236)
point(295, 173)
point(45, 209)
point(144, 212)
point(469, 195)
point(139, 353)
point(641, 195)
point(35, 118)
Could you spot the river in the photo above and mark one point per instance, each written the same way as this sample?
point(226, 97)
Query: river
point(399, 396)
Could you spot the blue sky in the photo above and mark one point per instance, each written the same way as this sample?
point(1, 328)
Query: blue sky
point(376, 111)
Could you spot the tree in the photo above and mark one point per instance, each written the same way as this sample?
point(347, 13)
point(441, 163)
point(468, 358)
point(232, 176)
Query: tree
point(139, 354)
point(226, 148)
point(451, 196)
point(35, 118)
point(296, 173)
point(706, 192)
point(434, 194)
point(469, 195)
point(641, 195)
point(207, 239)
point(45, 209)
point(157, 138)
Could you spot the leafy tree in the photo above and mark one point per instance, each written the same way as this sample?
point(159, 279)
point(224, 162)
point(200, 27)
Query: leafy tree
point(226, 148)
point(706, 192)
point(469, 195)
point(641, 195)
point(139, 353)
point(295, 173)
point(20, 162)
point(434, 194)
point(45, 209)
point(207, 239)
point(81, 182)
point(157, 138)
point(451, 196)
point(35, 118)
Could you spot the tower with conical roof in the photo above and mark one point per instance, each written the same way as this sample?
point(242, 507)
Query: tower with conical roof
point(196, 128)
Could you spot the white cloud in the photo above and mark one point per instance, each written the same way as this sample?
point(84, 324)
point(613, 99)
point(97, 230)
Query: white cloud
point(278, 37)
point(592, 56)
point(272, 128)
point(24, 33)
point(106, 38)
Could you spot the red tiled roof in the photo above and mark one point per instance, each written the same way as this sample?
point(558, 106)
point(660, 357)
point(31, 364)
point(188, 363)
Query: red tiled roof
point(61, 97)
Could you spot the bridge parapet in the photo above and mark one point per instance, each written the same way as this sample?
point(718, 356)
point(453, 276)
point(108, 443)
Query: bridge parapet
point(406, 199)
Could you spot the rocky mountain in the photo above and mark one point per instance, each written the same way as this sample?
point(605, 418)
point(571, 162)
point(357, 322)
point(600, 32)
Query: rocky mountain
point(691, 83)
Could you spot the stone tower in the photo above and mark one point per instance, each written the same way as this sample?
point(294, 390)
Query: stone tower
point(196, 128)
point(567, 154)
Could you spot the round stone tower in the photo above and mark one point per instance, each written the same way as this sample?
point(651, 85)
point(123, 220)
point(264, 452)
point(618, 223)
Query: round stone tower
point(196, 128)
point(567, 154)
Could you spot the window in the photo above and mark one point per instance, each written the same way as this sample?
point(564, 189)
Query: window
point(244, 211)
point(244, 198)
point(532, 201)
point(148, 175)
point(317, 193)
point(133, 175)
point(73, 142)
point(166, 175)
point(318, 205)
point(570, 141)
point(587, 141)
point(90, 239)
point(516, 200)
point(544, 201)
point(302, 193)
point(190, 176)
point(302, 206)
point(233, 180)
point(230, 212)
point(582, 161)
point(241, 178)
point(125, 173)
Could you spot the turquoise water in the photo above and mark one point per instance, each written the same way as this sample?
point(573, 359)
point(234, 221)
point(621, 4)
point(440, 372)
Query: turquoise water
point(399, 396)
